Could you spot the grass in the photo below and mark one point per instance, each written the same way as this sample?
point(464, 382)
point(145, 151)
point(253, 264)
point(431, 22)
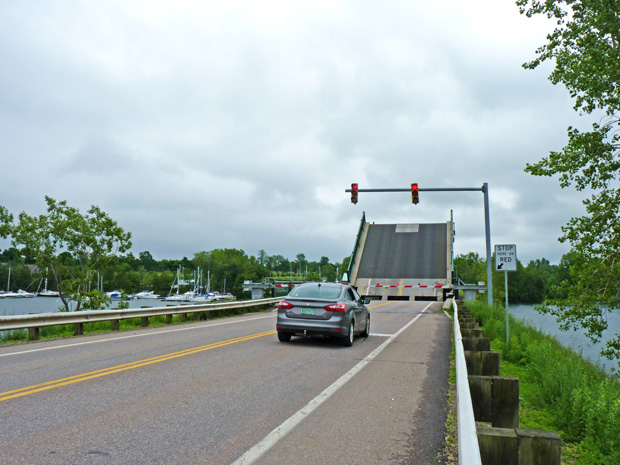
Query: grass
point(561, 391)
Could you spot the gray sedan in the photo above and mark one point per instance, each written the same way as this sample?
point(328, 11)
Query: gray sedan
point(323, 309)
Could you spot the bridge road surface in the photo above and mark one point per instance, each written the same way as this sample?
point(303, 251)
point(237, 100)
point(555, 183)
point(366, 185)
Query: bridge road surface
point(211, 392)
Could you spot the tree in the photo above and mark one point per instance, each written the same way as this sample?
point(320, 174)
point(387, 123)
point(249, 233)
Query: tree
point(262, 257)
point(470, 268)
point(229, 268)
point(278, 263)
point(147, 261)
point(343, 268)
point(70, 245)
point(585, 46)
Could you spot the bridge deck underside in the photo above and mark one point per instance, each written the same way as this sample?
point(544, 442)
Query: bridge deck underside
point(389, 254)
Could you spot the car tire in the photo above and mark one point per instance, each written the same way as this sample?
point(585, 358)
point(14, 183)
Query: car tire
point(366, 332)
point(284, 337)
point(347, 341)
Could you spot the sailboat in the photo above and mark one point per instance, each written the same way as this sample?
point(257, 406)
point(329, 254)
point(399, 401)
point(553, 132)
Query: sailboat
point(176, 297)
point(8, 294)
point(47, 293)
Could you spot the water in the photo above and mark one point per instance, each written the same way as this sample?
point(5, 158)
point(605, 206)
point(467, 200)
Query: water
point(25, 306)
point(576, 340)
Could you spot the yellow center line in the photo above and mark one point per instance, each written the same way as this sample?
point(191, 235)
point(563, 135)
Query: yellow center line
point(380, 305)
point(127, 366)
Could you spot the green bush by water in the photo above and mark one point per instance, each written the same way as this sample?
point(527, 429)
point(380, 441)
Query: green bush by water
point(575, 397)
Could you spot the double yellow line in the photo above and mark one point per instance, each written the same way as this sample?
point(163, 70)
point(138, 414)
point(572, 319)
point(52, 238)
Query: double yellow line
point(117, 369)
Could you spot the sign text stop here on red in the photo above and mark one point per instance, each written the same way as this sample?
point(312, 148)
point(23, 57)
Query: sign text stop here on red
point(506, 257)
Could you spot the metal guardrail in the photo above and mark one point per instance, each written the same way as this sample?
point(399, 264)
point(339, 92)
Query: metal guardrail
point(8, 323)
point(469, 450)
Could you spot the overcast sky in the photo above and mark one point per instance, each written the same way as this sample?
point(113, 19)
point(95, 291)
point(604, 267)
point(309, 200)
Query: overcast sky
point(207, 124)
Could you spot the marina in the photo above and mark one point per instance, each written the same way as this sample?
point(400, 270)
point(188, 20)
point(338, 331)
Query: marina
point(18, 306)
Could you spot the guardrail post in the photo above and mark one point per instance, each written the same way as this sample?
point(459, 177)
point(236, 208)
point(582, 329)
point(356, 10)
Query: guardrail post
point(472, 332)
point(495, 399)
point(33, 334)
point(183, 317)
point(78, 329)
point(498, 446)
point(538, 447)
point(470, 325)
point(169, 319)
point(115, 325)
point(484, 363)
point(505, 402)
point(477, 343)
point(144, 321)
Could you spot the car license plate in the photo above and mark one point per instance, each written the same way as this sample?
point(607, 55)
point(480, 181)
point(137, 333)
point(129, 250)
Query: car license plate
point(307, 311)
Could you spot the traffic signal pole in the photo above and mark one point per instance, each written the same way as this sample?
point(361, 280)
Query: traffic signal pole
point(487, 221)
point(487, 232)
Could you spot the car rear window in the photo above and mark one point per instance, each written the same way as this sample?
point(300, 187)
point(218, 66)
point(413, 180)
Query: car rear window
point(316, 292)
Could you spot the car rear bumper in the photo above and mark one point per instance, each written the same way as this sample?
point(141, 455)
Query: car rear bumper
point(331, 327)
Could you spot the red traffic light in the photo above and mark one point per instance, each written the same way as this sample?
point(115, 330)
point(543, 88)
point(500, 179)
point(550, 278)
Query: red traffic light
point(415, 196)
point(354, 192)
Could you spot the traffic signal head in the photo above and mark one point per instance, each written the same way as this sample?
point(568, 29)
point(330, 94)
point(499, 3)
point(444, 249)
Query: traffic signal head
point(354, 192)
point(415, 196)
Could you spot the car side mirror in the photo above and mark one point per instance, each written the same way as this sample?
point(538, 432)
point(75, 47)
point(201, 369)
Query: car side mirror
point(365, 301)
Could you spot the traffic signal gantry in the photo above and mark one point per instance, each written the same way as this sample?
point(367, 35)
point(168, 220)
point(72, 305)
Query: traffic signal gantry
point(415, 196)
point(415, 199)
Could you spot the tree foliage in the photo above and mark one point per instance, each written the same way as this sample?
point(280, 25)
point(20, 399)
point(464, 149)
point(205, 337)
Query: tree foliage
point(228, 268)
point(530, 284)
point(585, 49)
point(470, 268)
point(70, 245)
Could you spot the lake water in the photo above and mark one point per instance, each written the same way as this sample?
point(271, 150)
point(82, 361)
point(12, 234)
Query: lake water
point(25, 306)
point(576, 340)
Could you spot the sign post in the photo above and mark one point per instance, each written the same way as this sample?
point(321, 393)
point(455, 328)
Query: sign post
point(506, 260)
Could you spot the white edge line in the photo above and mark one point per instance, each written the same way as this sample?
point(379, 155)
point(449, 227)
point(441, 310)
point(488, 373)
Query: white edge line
point(155, 333)
point(259, 449)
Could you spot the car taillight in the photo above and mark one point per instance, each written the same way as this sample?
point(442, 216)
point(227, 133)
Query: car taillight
point(284, 305)
point(339, 308)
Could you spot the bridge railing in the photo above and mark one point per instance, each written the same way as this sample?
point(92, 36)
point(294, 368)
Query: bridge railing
point(34, 322)
point(469, 450)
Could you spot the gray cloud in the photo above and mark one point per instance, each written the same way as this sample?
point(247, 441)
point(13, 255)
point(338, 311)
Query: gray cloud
point(201, 125)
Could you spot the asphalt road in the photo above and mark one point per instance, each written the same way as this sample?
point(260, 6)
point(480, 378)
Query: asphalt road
point(227, 391)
